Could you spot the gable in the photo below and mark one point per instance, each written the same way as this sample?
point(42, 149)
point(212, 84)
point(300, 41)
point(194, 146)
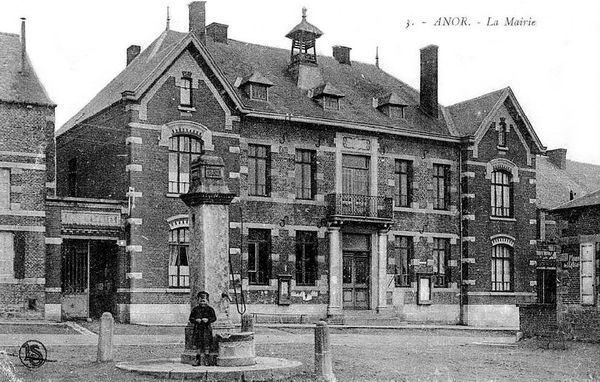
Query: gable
point(486, 145)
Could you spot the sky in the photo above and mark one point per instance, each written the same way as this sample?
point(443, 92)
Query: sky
point(553, 67)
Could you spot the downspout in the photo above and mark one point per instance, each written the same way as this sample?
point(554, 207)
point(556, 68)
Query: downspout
point(461, 318)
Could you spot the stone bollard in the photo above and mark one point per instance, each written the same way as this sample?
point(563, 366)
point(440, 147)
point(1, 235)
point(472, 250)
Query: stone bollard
point(247, 323)
point(323, 363)
point(105, 338)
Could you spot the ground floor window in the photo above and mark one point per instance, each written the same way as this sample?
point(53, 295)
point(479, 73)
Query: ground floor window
point(404, 256)
point(501, 268)
point(179, 270)
point(441, 255)
point(306, 258)
point(259, 256)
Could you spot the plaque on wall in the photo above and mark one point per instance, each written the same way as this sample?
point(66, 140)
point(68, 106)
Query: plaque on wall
point(357, 143)
point(213, 172)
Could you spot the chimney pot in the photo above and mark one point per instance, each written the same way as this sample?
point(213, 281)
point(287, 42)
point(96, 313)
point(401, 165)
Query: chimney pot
point(342, 54)
point(429, 80)
point(197, 19)
point(558, 157)
point(132, 52)
point(218, 32)
point(23, 47)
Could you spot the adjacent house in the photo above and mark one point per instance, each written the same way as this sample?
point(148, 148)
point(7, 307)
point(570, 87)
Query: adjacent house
point(424, 212)
point(26, 178)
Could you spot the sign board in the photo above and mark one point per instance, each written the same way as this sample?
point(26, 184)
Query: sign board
point(87, 218)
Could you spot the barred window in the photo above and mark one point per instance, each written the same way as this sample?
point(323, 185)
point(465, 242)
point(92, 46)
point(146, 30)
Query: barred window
point(259, 166)
point(183, 150)
point(179, 270)
point(185, 92)
point(441, 255)
point(501, 268)
point(259, 256)
point(306, 258)
point(403, 173)
point(501, 194)
point(441, 187)
point(404, 255)
point(305, 174)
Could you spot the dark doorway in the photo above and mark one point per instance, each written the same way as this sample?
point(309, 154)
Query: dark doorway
point(356, 280)
point(103, 282)
point(546, 286)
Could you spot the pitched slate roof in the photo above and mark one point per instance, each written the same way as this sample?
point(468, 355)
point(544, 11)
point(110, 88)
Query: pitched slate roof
point(471, 113)
point(554, 184)
point(130, 78)
point(16, 86)
point(359, 83)
point(592, 199)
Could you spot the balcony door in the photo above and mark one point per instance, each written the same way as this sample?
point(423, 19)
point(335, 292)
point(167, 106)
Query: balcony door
point(355, 175)
point(355, 185)
point(356, 271)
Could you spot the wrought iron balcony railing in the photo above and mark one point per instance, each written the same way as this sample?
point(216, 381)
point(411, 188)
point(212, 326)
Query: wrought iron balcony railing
point(359, 206)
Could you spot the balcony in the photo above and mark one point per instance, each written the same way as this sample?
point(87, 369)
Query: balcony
point(375, 209)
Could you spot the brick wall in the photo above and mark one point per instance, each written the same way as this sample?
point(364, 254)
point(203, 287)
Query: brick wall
point(27, 146)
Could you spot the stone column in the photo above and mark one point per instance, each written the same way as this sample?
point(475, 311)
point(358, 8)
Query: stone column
point(208, 201)
point(382, 280)
point(335, 273)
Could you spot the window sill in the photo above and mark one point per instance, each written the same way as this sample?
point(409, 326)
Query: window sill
point(172, 195)
point(178, 290)
point(305, 287)
point(262, 287)
point(502, 148)
point(187, 109)
point(498, 218)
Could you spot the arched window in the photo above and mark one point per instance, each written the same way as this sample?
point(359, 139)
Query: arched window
point(179, 270)
point(501, 194)
point(502, 268)
point(183, 150)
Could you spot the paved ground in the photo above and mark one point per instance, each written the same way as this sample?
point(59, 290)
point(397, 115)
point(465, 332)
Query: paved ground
point(359, 355)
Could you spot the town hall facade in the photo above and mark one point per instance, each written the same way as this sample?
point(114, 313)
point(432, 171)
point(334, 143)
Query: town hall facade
point(353, 191)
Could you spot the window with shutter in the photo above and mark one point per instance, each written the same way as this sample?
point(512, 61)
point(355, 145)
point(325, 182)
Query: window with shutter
point(7, 255)
point(587, 273)
point(4, 188)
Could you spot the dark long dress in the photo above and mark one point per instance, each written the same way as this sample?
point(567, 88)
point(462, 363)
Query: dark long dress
point(203, 331)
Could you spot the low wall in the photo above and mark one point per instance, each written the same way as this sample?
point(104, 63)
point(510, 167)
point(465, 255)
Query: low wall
point(581, 323)
point(538, 320)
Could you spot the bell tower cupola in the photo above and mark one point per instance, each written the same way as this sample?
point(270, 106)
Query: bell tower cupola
point(303, 38)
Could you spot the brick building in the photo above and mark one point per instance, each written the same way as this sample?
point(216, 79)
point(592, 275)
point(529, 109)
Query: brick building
point(341, 172)
point(26, 177)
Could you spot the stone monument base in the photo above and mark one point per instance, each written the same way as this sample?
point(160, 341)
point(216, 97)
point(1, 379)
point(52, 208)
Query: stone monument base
point(236, 349)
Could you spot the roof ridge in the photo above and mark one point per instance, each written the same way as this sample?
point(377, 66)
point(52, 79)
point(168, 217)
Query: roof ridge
point(587, 163)
point(481, 96)
point(10, 34)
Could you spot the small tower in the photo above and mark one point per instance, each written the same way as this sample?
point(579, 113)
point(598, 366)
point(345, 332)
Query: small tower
point(303, 38)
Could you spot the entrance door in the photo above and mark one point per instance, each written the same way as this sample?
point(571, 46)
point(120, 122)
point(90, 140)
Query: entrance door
point(356, 280)
point(546, 284)
point(75, 286)
point(103, 270)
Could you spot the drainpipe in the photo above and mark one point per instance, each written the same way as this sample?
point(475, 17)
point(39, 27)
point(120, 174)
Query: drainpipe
point(461, 318)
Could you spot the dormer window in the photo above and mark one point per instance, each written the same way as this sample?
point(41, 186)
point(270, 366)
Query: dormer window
point(331, 103)
point(256, 86)
point(259, 91)
point(185, 92)
point(391, 105)
point(328, 96)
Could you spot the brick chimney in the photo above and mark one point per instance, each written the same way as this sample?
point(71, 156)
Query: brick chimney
point(558, 157)
point(218, 32)
point(429, 80)
point(197, 17)
point(342, 54)
point(132, 52)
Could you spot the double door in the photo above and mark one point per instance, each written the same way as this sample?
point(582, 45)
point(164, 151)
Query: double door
point(355, 280)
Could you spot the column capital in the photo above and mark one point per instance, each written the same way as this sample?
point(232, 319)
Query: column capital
point(334, 228)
